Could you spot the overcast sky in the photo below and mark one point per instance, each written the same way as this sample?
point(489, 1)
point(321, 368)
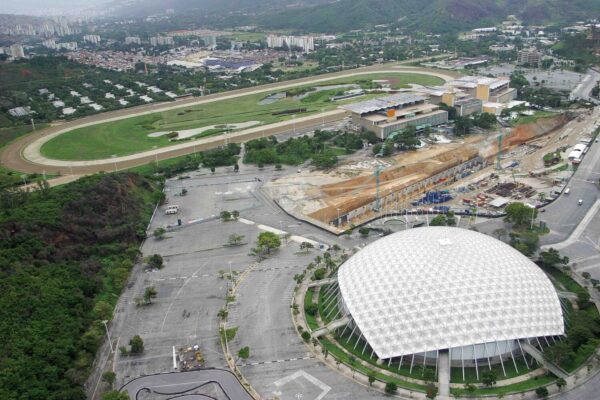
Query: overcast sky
point(45, 7)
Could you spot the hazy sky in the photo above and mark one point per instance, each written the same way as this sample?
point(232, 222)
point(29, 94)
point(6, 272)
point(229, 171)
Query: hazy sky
point(45, 7)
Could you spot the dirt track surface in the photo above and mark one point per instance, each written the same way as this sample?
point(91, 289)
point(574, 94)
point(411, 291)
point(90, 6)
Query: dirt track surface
point(12, 155)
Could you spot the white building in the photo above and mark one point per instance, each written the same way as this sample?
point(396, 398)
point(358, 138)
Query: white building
point(94, 39)
point(68, 111)
point(306, 43)
point(414, 294)
point(133, 40)
point(162, 41)
point(16, 51)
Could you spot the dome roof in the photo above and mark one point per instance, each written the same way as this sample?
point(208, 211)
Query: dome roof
point(427, 289)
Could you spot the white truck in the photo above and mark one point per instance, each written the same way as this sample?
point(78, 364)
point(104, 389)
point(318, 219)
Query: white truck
point(170, 210)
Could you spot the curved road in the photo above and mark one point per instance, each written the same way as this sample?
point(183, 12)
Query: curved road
point(23, 154)
point(183, 385)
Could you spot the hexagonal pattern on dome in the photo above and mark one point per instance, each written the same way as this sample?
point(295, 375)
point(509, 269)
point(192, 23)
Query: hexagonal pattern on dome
point(435, 288)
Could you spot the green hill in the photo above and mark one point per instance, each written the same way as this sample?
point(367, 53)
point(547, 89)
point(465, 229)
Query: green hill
point(433, 15)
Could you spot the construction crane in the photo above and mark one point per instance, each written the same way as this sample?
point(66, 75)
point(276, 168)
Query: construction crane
point(498, 159)
point(378, 170)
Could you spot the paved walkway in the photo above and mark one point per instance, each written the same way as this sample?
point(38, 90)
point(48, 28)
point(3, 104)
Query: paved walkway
point(539, 357)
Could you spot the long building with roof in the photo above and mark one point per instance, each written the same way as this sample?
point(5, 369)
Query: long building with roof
point(389, 114)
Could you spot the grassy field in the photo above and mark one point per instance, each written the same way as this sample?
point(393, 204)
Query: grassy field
point(130, 135)
point(528, 119)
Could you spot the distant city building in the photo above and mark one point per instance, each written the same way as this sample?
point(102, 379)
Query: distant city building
point(162, 41)
point(94, 39)
point(50, 43)
point(494, 90)
point(133, 40)
point(306, 43)
point(16, 51)
point(210, 41)
point(67, 45)
point(530, 57)
point(502, 48)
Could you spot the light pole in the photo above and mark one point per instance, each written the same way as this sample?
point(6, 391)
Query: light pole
point(294, 123)
point(532, 217)
point(323, 118)
point(230, 274)
point(105, 322)
point(114, 161)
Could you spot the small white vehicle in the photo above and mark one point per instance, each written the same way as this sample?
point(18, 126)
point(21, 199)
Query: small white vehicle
point(567, 191)
point(174, 209)
point(580, 202)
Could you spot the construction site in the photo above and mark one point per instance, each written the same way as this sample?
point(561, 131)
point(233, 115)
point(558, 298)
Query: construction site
point(477, 174)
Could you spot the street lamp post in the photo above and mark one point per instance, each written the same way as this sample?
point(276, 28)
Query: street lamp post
point(294, 123)
point(323, 118)
point(105, 322)
point(230, 274)
point(155, 156)
point(114, 161)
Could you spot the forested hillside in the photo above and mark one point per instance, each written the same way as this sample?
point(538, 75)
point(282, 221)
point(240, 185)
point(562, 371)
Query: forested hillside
point(64, 255)
point(433, 15)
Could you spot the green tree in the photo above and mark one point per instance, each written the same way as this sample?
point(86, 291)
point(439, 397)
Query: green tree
point(438, 220)
point(235, 214)
point(372, 377)
point(519, 214)
point(560, 353)
point(312, 309)
point(235, 239)
point(103, 310)
point(489, 377)
point(470, 388)
point(115, 395)
point(324, 160)
point(319, 274)
point(431, 392)
point(149, 294)
point(155, 261)
point(560, 383)
point(306, 246)
point(109, 377)
point(305, 336)
point(552, 258)
point(364, 231)
point(429, 375)
point(462, 126)
point(541, 392)
point(391, 388)
point(244, 353)
point(225, 216)
point(159, 233)
point(268, 241)
point(137, 345)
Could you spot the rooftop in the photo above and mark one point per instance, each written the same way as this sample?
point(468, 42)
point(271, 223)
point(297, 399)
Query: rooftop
point(435, 288)
point(383, 103)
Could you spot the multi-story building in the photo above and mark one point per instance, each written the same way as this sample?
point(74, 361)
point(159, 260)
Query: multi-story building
point(389, 114)
point(531, 57)
point(306, 43)
point(162, 41)
point(133, 40)
point(50, 43)
point(16, 51)
point(495, 90)
point(95, 39)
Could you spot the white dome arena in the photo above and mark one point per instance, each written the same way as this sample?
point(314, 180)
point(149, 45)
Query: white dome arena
point(429, 289)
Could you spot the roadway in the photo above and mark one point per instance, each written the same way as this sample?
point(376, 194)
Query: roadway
point(186, 385)
point(23, 154)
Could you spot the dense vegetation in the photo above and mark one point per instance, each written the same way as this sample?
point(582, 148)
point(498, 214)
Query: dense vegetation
point(431, 16)
point(65, 255)
point(322, 149)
